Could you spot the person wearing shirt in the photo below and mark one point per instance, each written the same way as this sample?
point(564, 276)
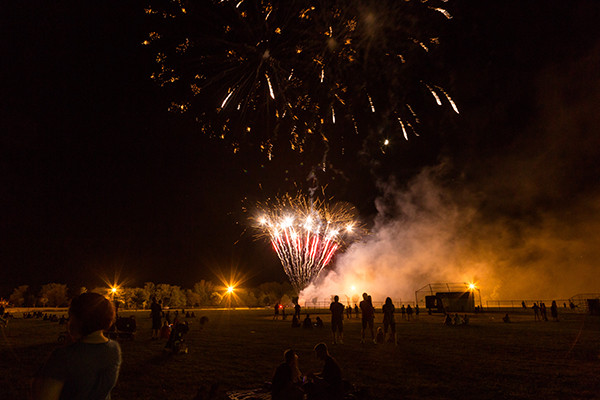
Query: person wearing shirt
point(87, 368)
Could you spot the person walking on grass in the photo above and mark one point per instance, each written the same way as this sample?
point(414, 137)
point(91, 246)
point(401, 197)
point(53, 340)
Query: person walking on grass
point(337, 317)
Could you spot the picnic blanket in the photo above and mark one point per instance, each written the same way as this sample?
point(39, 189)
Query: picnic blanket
point(249, 394)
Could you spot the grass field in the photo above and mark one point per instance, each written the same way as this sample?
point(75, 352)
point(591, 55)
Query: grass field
point(240, 349)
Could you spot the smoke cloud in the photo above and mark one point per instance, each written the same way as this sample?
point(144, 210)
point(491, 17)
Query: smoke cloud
point(523, 224)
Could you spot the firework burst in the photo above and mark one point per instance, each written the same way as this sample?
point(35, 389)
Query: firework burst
point(306, 234)
point(289, 73)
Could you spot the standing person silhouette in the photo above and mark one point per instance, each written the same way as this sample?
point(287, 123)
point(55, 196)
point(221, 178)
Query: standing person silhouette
point(156, 315)
point(337, 317)
point(536, 311)
point(389, 322)
point(368, 317)
point(554, 311)
point(89, 367)
point(543, 311)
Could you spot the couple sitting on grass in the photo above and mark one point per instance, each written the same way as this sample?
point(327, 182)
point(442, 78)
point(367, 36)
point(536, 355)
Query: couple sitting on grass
point(289, 384)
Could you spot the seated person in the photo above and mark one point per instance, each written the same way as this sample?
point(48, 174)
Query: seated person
point(319, 322)
point(448, 320)
point(457, 321)
point(506, 318)
point(287, 379)
point(327, 384)
point(380, 336)
point(307, 324)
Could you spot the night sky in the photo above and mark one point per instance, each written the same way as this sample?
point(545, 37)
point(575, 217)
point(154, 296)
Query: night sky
point(98, 179)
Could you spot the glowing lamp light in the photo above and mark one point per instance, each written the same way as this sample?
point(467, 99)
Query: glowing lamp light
point(472, 286)
point(230, 289)
point(113, 290)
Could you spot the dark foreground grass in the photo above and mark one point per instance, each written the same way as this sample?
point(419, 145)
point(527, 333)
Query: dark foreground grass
point(240, 349)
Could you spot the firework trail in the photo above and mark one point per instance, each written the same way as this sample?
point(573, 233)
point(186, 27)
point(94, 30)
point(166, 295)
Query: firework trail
point(306, 234)
point(296, 72)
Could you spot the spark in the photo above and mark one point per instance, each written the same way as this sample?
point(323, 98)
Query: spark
point(371, 103)
point(443, 11)
point(403, 129)
point(270, 87)
point(454, 107)
point(227, 98)
point(437, 98)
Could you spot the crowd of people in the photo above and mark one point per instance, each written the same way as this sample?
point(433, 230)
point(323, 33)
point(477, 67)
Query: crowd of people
point(365, 310)
point(88, 367)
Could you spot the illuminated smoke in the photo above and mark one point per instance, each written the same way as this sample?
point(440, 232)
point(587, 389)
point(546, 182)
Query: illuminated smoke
point(524, 224)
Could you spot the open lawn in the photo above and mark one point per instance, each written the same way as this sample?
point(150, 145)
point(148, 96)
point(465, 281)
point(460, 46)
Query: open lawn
point(240, 349)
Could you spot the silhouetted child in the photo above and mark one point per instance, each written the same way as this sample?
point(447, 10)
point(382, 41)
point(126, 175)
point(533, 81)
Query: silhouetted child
point(506, 318)
point(165, 331)
point(319, 322)
point(380, 336)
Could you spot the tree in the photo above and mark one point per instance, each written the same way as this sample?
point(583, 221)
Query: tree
point(18, 295)
point(149, 291)
point(204, 290)
point(55, 294)
point(138, 298)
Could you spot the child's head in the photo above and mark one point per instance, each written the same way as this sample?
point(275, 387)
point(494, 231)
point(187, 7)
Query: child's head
point(90, 312)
